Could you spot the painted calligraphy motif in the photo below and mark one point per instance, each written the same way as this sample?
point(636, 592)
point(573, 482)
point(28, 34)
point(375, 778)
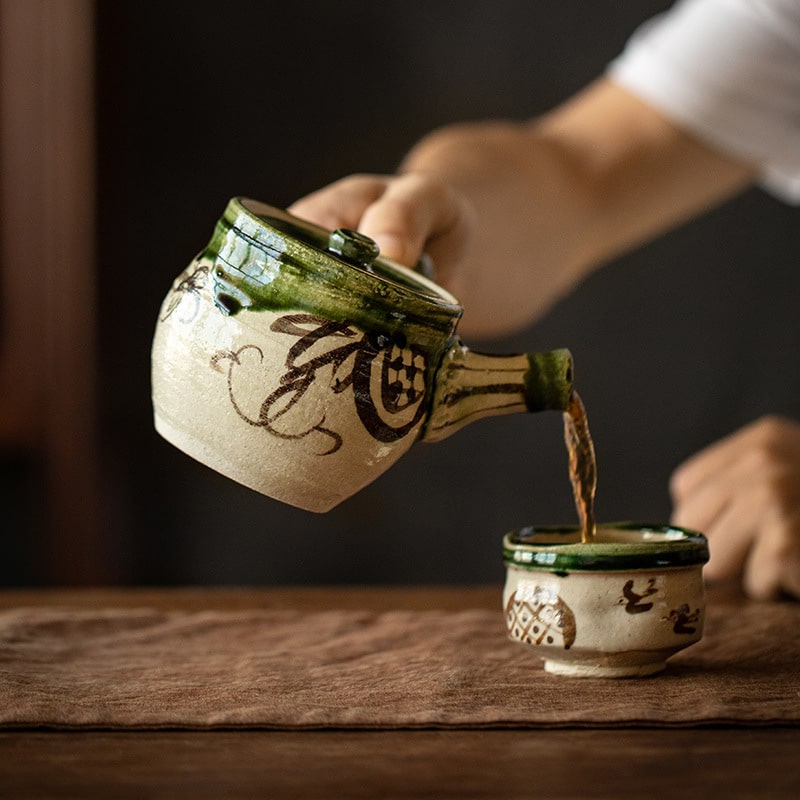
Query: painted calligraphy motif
point(188, 287)
point(633, 600)
point(540, 617)
point(386, 375)
point(684, 619)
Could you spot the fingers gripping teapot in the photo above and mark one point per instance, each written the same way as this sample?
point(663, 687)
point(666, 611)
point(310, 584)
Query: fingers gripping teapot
point(299, 363)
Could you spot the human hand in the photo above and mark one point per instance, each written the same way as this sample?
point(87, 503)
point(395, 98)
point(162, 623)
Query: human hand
point(405, 215)
point(743, 492)
point(487, 202)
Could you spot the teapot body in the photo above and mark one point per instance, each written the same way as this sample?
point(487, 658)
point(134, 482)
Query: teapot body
point(299, 407)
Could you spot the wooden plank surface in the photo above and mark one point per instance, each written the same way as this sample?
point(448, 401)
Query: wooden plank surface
point(435, 764)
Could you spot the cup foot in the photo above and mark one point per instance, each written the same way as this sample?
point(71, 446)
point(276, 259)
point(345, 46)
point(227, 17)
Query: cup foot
point(574, 669)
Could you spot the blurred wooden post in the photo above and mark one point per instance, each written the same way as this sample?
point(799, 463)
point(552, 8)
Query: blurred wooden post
point(47, 258)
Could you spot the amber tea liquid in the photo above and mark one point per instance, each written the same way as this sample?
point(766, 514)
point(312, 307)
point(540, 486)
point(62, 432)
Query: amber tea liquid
point(582, 465)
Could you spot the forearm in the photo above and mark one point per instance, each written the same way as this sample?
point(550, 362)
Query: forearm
point(641, 173)
point(556, 197)
point(526, 205)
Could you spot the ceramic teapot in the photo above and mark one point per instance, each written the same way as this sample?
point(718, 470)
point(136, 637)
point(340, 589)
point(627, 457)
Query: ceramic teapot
point(301, 364)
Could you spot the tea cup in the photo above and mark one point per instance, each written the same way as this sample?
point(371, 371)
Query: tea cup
point(618, 606)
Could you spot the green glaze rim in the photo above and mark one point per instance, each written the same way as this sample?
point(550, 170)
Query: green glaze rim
point(670, 546)
point(273, 250)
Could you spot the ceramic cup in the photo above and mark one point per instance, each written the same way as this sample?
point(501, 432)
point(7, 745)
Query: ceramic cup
point(298, 362)
point(616, 607)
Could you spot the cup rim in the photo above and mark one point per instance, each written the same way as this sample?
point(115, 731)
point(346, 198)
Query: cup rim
point(642, 546)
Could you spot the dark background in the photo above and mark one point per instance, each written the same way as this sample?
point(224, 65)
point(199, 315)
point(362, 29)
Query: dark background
point(675, 345)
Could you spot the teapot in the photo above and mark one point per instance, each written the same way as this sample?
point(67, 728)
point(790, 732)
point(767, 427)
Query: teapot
point(300, 363)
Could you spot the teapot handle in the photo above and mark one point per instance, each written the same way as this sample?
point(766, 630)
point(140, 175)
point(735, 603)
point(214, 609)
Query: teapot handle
point(472, 385)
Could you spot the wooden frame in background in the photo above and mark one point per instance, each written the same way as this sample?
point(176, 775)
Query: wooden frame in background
point(47, 271)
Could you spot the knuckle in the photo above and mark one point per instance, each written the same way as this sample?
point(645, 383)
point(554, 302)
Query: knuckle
point(766, 453)
point(361, 186)
point(777, 490)
point(398, 215)
point(359, 179)
point(677, 483)
point(762, 586)
point(779, 546)
point(770, 431)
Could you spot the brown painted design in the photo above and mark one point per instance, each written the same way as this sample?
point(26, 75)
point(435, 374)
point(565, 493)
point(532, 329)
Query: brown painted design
point(541, 618)
point(188, 286)
point(387, 377)
point(633, 600)
point(684, 619)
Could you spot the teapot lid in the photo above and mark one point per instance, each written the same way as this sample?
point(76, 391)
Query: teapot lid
point(257, 243)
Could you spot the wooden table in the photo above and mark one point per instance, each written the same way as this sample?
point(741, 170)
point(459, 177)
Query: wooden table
point(687, 763)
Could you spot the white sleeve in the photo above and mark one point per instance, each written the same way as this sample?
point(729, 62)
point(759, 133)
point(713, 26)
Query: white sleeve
point(728, 72)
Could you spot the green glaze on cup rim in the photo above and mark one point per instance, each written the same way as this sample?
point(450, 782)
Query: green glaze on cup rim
point(260, 254)
point(619, 546)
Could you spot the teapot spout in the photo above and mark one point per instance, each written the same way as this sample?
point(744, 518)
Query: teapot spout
point(472, 385)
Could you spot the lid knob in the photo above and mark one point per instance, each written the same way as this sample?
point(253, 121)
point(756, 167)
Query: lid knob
point(353, 247)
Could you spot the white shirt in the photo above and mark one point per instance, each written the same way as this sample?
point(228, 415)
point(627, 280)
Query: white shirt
point(728, 72)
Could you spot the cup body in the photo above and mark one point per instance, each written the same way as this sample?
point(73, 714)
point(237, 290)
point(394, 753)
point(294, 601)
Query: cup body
point(291, 369)
point(616, 607)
